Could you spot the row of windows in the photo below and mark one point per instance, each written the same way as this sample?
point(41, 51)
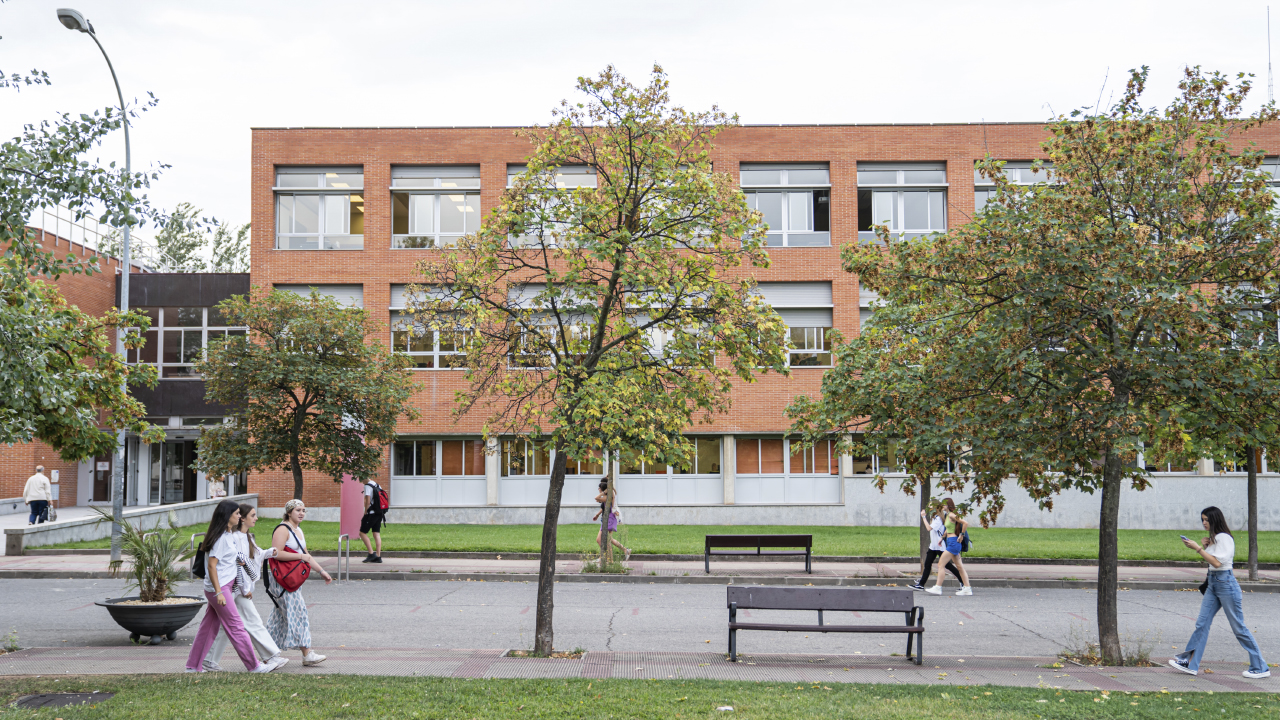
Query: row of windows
point(178, 336)
point(432, 207)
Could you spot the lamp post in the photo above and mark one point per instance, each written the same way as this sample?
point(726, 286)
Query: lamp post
point(73, 20)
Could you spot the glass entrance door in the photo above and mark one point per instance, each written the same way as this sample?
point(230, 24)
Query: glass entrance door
point(173, 479)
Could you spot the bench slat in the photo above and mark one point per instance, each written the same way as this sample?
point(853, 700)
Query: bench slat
point(805, 541)
point(800, 553)
point(758, 597)
point(829, 628)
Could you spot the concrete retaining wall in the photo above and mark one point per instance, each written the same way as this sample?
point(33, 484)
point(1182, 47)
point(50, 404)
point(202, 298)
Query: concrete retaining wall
point(1172, 503)
point(64, 531)
point(13, 506)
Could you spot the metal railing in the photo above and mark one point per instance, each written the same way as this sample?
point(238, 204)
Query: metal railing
point(192, 546)
point(347, 537)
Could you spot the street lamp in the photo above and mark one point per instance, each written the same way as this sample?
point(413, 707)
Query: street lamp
point(73, 20)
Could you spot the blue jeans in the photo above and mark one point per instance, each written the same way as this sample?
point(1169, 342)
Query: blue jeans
point(1223, 592)
point(38, 509)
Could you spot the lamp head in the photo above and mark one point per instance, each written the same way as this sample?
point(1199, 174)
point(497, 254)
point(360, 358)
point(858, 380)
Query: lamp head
point(73, 20)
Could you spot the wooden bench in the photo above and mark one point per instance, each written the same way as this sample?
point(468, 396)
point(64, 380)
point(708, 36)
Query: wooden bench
point(759, 542)
point(859, 600)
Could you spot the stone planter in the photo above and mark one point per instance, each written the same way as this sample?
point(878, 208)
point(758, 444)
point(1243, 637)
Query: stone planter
point(158, 621)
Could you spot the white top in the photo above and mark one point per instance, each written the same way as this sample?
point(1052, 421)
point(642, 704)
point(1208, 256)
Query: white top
point(1224, 549)
point(224, 549)
point(936, 532)
point(242, 541)
point(289, 543)
point(37, 488)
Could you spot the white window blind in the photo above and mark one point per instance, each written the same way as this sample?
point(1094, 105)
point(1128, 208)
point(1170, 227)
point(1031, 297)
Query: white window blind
point(349, 295)
point(796, 294)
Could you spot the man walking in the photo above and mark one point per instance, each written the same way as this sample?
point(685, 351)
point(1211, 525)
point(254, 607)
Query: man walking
point(37, 495)
point(375, 512)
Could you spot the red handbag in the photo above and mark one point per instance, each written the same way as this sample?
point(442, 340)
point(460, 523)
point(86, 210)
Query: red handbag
point(290, 574)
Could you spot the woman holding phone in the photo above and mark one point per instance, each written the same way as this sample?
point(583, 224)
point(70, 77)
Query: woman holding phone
point(1221, 591)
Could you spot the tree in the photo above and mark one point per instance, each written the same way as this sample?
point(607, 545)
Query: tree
point(230, 249)
point(607, 303)
point(1071, 320)
point(181, 240)
point(308, 390)
point(61, 381)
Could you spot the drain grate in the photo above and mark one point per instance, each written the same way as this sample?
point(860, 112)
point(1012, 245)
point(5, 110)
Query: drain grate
point(52, 700)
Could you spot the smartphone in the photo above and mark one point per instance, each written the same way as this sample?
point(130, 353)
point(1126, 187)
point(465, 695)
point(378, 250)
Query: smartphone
point(1184, 537)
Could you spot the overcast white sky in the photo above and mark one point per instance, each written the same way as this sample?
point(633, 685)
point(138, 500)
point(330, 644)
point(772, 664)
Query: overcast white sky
point(220, 68)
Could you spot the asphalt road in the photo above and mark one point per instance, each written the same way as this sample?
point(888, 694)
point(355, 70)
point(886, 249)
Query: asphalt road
point(634, 617)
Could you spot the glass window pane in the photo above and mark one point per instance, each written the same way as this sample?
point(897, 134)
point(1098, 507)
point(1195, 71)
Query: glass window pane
point(512, 458)
point(300, 180)
point(403, 459)
point(924, 177)
point(400, 213)
point(421, 340)
point(808, 177)
point(306, 214)
point(877, 177)
point(937, 211)
point(473, 459)
point(422, 215)
point(708, 456)
point(770, 455)
point(799, 206)
point(761, 177)
point(217, 318)
point(147, 353)
point(472, 210)
point(748, 456)
point(542, 458)
point(183, 317)
point(629, 463)
point(172, 346)
point(192, 344)
point(451, 457)
point(884, 209)
point(915, 210)
point(770, 204)
point(355, 224)
point(336, 214)
point(344, 180)
point(460, 182)
point(426, 457)
point(453, 213)
point(284, 214)
point(981, 198)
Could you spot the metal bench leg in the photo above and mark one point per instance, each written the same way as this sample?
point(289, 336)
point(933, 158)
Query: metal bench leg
point(706, 561)
point(808, 560)
point(919, 648)
point(733, 646)
point(910, 636)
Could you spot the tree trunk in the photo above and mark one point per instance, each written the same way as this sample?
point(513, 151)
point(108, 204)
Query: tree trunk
point(1251, 464)
point(544, 634)
point(1108, 571)
point(926, 487)
point(606, 549)
point(296, 466)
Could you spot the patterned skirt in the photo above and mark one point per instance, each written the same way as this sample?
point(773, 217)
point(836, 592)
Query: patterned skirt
point(288, 623)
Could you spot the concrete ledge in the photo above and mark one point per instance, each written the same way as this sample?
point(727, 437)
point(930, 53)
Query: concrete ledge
point(13, 506)
point(93, 528)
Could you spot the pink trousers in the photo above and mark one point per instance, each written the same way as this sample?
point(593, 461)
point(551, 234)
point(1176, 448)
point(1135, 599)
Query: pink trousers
point(225, 617)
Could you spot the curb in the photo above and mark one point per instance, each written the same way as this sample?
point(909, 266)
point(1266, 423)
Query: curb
point(1011, 583)
point(441, 554)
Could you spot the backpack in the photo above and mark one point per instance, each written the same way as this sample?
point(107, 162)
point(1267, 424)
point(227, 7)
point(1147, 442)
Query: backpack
point(965, 543)
point(381, 501)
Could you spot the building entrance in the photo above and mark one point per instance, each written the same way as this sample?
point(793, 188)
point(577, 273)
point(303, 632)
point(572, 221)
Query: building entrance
point(173, 479)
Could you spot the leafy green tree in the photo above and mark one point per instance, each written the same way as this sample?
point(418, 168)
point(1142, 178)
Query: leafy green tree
point(61, 381)
point(607, 303)
point(1070, 320)
point(230, 249)
point(307, 389)
point(181, 241)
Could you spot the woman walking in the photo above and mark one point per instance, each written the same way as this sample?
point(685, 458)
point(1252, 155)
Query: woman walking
point(951, 549)
point(1221, 591)
point(937, 537)
point(220, 550)
point(615, 516)
point(288, 623)
point(249, 559)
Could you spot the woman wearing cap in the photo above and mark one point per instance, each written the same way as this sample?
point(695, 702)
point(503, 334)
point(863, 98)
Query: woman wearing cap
point(288, 623)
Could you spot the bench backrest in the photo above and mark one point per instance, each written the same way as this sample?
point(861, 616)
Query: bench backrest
point(821, 598)
point(741, 541)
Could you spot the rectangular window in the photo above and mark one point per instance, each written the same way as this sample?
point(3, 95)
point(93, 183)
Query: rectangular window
point(432, 207)
point(794, 199)
point(806, 308)
point(178, 337)
point(429, 349)
point(775, 470)
point(706, 459)
point(910, 198)
point(540, 234)
point(438, 472)
point(526, 457)
point(1018, 173)
point(319, 209)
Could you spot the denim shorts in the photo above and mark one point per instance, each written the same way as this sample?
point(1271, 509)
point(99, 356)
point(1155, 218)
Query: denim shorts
point(953, 546)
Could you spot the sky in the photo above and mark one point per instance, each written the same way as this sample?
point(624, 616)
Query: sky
point(221, 68)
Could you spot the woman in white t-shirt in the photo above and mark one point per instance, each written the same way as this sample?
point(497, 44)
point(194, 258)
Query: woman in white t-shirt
point(249, 559)
point(1221, 591)
point(220, 552)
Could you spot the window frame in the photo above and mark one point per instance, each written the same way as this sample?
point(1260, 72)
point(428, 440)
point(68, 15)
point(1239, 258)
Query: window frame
point(323, 193)
point(1014, 170)
point(439, 176)
point(900, 188)
point(160, 329)
point(785, 189)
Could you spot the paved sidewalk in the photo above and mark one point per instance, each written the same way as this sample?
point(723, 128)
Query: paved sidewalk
point(945, 671)
point(497, 568)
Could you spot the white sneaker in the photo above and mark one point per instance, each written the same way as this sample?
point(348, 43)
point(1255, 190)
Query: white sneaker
point(264, 668)
point(935, 590)
point(192, 670)
point(211, 666)
point(1173, 663)
point(1256, 675)
point(966, 590)
point(313, 658)
point(278, 660)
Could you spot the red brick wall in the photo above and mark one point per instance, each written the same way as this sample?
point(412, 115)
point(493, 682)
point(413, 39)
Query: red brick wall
point(94, 295)
point(756, 407)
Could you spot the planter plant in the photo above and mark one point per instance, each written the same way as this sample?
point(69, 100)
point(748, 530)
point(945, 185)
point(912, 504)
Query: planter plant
point(154, 561)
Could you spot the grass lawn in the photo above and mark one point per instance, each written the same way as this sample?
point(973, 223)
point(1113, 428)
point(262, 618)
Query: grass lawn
point(827, 540)
point(281, 697)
